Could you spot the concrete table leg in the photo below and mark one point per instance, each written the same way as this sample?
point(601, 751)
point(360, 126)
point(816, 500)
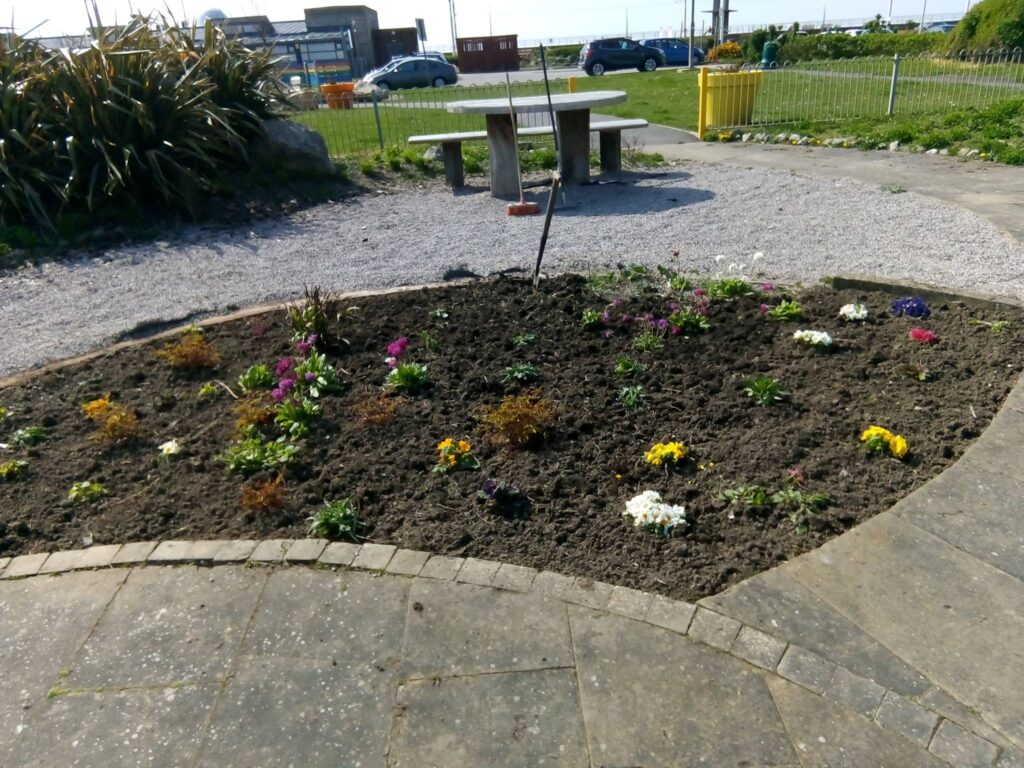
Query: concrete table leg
point(611, 150)
point(502, 148)
point(451, 153)
point(574, 145)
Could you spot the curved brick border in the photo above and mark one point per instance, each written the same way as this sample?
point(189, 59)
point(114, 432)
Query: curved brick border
point(940, 734)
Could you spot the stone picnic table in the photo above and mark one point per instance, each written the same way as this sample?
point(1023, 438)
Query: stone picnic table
point(572, 118)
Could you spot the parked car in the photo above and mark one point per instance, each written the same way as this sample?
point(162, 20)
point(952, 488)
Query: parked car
point(436, 55)
point(599, 56)
point(412, 72)
point(939, 26)
point(676, 50)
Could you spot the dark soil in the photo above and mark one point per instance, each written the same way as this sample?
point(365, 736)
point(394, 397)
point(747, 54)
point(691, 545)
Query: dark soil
point(578, 481)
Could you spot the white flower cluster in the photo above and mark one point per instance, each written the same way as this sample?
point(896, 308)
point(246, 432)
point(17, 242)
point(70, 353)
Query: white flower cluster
point(648, 509)
point(813, 338)
point(170, 448)
point(853, 312)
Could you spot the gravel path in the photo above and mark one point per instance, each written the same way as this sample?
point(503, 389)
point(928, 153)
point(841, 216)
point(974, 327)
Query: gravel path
point(806, 227)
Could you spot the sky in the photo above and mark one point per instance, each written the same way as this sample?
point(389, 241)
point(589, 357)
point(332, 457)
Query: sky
point(531, 19)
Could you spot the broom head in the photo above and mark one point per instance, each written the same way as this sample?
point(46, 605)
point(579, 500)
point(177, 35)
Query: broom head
point(523, 208)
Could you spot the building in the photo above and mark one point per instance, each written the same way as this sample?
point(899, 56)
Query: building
point(488, 54)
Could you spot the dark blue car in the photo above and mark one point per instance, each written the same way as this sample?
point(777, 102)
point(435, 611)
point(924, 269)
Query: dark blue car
point(676, 50)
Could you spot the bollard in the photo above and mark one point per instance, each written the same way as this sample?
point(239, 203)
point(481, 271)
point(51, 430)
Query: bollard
point(572, 85)
point(376, 117)
point(892, 88)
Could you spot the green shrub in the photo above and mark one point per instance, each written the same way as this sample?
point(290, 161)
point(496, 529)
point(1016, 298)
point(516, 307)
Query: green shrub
point(990, 24)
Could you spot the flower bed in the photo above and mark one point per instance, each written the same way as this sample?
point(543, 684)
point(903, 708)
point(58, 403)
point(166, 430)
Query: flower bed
point(625, 427)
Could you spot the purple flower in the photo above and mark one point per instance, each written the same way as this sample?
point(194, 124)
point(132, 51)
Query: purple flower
point(277, 394)
point(310, 376)
point(676, 330)
point(766, 287)
point(662, 324)
point(303, 346)
point(397, 347)
point(312, 339)
point(607, 334)
point(911, 307)
point(285, 385)
point(763, 309)
point(673, 307)
point(626, 319)
point(699, 293)
point(617, 302)
point(283, 366)
point(606, 317)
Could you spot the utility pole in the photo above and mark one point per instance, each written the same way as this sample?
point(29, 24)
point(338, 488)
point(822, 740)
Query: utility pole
point(924, 10)
point(693, 19)
point(455, 31)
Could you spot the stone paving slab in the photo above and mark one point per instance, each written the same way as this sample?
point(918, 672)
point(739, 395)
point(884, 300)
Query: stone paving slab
point(74, 559)
point(353, 620)
point(778, 604)
point(157, 728)
point(670, 701)
point(462, 629)
point(24, 565)
point(958, 620)
point(828, 735)
point(169, 625)
point(512, 720)
point(43, 623)
point(284, 713)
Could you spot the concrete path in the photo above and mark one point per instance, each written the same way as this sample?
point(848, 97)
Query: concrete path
point(900, 643)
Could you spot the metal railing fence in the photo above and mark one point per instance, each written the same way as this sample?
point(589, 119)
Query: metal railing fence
point(851, 89)
point(372, 124)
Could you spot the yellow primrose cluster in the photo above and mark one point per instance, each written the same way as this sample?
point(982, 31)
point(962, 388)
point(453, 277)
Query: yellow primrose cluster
point(455, 455)
point(665, 452)
point(879, 438)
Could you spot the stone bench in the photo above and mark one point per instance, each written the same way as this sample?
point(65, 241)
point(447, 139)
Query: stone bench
point(609, 133)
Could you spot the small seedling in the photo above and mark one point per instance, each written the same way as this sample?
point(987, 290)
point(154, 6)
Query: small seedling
point(523, 340)
point(689, 323)
point(786, 310)
point(85, 492)
point(256, 378)
point(337, 520)
point(649, 341)
point(429, 342)
point(253, 454)
point(440, 314)
point(209, 389)
point(800, 506)
point(995, 326)
point(913, 371)
point(12, 470)
point(521, 372)
point(765, 390)
point(747, 495)
point(26, 437)
point(264, 496)
point(728, 288)
point(4, 413)
point(633, 397)
point(675, 282)
point(408, 377)
point(591, 318)
point(626, 367)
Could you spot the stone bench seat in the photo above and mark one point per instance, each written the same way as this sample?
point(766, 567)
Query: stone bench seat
point(609, 131)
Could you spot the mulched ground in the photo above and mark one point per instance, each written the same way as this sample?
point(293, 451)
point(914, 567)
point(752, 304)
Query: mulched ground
point(578, 481)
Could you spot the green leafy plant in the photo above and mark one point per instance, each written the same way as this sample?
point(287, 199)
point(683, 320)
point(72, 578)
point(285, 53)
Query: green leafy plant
point(649, 340)
point(257, 377)
point(728, 288)
point(294, 416)
point(429, 341)
point(523, 340)
point(521, 372)
point(626, 367)
point(747, 495)
point(318, 376)
point(786, 310)
point(85, 492)
point(914, 371)
point(408, 377)
point(765, 390)
point(207, 390)
point(689, 323)
point(591, 318)
point(12, 470)
point(253, 453)
point(800, 507)
point(337, 520)
point(4, 413)
point(675, 282)
point(633, 397)
point(26, 437)
point(319, 315)
point(994, 326)
point(441, 315)
point(519, 421)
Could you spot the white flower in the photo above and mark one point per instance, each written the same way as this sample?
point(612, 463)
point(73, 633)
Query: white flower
point(813, 338)
point(4, 446)
point(719, 257)
point(758, 256)
point(170, 448)
point(648, 509)
point(852, 312)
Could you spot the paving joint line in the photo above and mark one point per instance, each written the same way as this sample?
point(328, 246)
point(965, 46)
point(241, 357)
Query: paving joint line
point(579, 686)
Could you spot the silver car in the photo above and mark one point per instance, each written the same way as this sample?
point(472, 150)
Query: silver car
point(412, 72)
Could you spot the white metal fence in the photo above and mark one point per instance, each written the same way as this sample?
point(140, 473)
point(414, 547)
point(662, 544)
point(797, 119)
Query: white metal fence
point(849, 89)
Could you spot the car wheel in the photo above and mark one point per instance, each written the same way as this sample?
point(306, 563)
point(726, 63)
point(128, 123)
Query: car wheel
point(596, 69)
point(439, 82)
point(385, 86)
point(650, 64)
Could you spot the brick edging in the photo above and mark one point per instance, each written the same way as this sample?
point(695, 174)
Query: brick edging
point(939, 733)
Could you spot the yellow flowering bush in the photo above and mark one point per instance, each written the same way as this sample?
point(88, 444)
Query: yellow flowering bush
point(455, 455)
point(665, 453)
point(877, 438)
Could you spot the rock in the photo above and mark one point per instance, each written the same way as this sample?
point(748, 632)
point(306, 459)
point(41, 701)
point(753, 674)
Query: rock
point(803, 141)
point(294, 147)
point(782, 138)
point(433, 152)
point(894, 146)
point(746, 137)
point(962, 152)
point(944, 152)
point(973, 152)
point(762, 138)
point(932, 151)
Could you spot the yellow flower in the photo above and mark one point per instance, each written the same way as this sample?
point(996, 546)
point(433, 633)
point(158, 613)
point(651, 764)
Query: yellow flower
point(898, 446)
point(445, 444)
point(873, 432)
point(464, 446)
point(662, 452)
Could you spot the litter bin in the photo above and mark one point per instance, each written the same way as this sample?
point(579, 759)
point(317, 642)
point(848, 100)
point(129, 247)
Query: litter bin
point(338, 95)
point(769, 53)
point(727, 98)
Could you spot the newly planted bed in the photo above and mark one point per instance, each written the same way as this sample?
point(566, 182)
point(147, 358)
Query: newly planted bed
point(630, 427)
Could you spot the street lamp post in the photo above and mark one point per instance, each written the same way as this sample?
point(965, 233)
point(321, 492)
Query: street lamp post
point(693, 5)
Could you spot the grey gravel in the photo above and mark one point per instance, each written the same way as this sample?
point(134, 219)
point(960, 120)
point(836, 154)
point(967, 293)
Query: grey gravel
point(806, 227)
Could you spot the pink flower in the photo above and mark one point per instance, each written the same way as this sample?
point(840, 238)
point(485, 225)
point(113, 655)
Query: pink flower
point(796, 475)
point(763, 309)
point(699, 292)
point(397, 347)
point(923, 336)
point(303, 346)
point(283, 366)
point(285, 385)
point(626, 319)
point(607, 334)
point(676, 330)
point(277, 394)
point(391, 361)
point(766, 287)
point(617, 302)
point(673, 307)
